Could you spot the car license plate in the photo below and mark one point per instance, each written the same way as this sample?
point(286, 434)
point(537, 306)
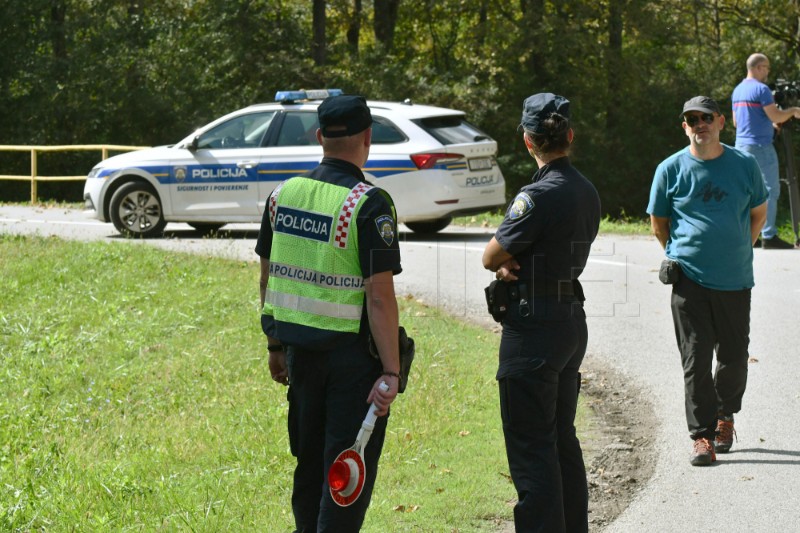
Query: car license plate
point(480, 163)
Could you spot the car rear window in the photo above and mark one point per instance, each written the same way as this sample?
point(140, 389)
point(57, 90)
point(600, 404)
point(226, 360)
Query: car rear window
point(453, 129)
point(384, 132)
point(299, 129)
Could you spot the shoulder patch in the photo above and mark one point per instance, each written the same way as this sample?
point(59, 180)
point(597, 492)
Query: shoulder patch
point(521, 206)
point(385, 225)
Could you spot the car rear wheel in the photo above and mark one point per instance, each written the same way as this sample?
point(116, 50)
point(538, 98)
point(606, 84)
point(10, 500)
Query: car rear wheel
point(136, 211)
point(206, 228)
point(429, 226)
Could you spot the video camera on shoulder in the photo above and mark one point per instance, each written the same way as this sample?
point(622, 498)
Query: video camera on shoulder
point(786, 93)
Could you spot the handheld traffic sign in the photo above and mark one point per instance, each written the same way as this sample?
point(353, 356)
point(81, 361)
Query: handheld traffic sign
point(348, 472)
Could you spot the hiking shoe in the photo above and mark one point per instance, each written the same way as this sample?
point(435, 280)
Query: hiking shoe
point(703, 452)
point(776, 243)
point(725, 434)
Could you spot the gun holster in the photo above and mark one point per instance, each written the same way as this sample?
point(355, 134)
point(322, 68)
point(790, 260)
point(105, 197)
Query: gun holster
point(407, 351)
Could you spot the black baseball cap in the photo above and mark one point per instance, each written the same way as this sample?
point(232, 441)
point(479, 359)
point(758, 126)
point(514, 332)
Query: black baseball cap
point(703, 104)
point(538, 107)
point(343, 115)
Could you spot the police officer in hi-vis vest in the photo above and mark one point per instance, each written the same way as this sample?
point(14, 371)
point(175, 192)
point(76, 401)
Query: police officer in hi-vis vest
point(329, 251)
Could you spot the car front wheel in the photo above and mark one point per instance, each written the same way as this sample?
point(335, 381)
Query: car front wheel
point(429, 226)
point(136, 211)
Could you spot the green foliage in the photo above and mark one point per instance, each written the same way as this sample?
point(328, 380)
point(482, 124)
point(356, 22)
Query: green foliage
point(148, 73)
point(137, 396)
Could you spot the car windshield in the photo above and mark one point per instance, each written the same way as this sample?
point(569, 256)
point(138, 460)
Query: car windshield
point(451, 130)
point(244, 131)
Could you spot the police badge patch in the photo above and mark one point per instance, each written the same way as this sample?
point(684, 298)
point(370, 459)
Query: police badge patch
point(385, 224)
point(180, 173)
point(521, 206)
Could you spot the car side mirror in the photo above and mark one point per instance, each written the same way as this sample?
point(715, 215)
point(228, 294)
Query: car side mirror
point(194, 144)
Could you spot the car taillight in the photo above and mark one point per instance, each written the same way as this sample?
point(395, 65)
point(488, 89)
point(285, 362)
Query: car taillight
point(424, 161)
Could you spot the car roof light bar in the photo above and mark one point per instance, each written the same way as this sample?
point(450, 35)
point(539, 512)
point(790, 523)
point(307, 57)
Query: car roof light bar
point(288, 97)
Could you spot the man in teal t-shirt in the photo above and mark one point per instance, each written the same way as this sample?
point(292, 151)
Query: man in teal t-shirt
point(707, 207)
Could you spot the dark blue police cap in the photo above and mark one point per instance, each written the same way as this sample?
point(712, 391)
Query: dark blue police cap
point(537, 108)
point(344, 115)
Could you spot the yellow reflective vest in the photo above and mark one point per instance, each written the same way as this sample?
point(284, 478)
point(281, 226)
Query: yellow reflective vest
point(315, 276)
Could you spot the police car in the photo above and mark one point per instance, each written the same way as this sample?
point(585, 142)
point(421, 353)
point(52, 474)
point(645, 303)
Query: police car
point(433, 162)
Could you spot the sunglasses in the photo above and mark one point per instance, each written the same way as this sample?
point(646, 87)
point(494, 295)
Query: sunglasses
point(692, 120)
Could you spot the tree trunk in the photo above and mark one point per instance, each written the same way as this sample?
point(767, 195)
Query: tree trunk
point(483, 21)
point(614, 65)
point(385, 21)
point(58, 16)
point(318, 41)
point(354, 29)
point(534, 40)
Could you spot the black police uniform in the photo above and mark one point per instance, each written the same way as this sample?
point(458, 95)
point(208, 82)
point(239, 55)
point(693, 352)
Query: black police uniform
point(548, 228)
point(330, 376)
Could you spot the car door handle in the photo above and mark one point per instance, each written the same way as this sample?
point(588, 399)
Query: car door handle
point(247, 164)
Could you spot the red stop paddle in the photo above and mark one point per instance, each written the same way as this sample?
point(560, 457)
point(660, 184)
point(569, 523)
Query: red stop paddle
point(347, 473)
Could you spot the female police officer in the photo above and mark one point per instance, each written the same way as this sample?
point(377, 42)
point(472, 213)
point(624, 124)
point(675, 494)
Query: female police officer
point(539, 250)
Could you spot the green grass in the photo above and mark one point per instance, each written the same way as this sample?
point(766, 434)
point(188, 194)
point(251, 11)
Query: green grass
point(47, 204)
point(620, 226)
point(137, 397)
point(624, 225)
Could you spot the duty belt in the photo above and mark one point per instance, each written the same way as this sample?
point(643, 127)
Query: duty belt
point(562, 290)
point(559, 289)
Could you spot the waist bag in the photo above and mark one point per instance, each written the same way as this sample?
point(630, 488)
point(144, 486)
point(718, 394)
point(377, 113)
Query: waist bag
point(670, 272)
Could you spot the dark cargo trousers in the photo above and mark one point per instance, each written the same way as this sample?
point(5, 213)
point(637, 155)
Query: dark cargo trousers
point(708, 321)
point(538, 400)
point(327, 404)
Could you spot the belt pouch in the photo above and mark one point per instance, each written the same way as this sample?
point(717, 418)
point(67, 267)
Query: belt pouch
point(497, 299)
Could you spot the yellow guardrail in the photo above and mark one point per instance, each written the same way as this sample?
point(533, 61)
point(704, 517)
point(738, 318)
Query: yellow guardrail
point(34, 176)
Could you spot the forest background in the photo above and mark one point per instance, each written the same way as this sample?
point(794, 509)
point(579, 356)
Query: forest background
point(148, 72)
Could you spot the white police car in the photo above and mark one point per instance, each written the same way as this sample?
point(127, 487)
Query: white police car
point(432, 161)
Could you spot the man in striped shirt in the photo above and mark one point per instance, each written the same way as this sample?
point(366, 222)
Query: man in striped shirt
point(755, 116)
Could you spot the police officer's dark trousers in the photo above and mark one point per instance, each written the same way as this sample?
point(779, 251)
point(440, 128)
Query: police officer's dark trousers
point(327, 404)
point(708, 320)
point(539, 380)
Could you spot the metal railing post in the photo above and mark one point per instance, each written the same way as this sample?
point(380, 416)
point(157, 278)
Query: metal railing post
point(34, 171)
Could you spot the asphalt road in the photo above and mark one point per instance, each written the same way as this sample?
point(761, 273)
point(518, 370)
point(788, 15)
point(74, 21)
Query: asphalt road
point(753, 489)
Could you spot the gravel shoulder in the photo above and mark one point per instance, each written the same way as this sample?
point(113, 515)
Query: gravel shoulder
point(619, 457)
point(617, 441)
